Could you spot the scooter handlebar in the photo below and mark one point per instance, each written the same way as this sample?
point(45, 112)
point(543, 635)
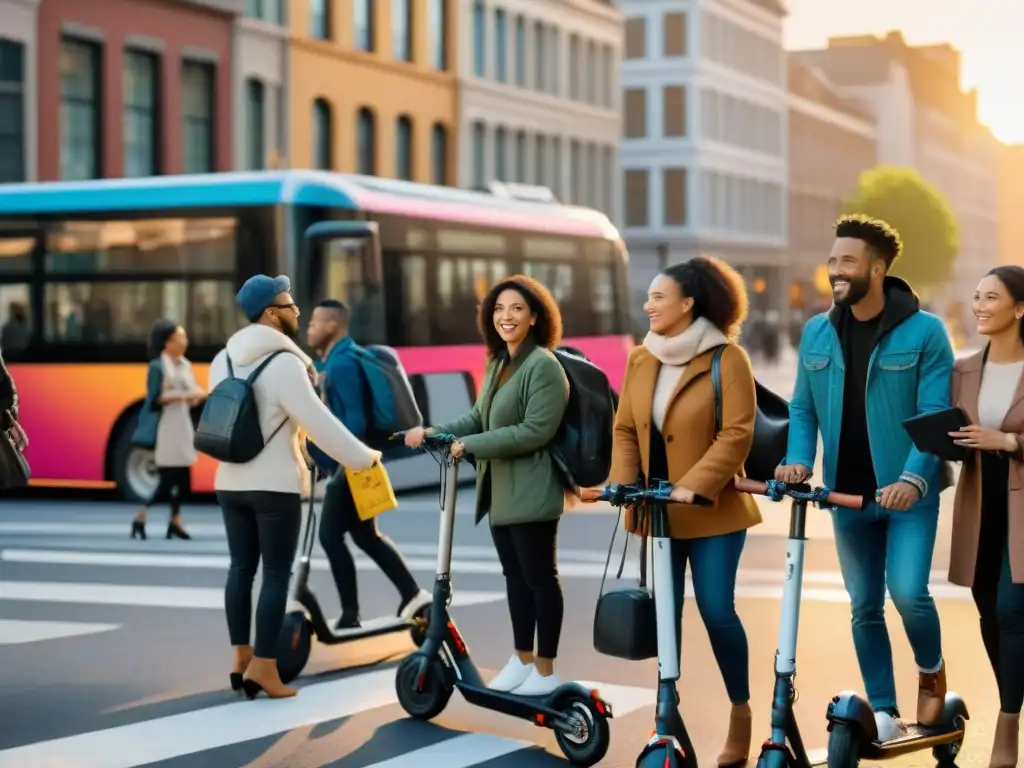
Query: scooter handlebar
point(438, 439)
point(777, 490)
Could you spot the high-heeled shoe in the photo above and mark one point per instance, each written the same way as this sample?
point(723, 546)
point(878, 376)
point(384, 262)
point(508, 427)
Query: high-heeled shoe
point(243, 656)
point(175, 531)
point(138, 530)
point(262, 677)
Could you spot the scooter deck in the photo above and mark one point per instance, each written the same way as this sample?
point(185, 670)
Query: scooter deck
point(381, 625)
point(917, 737)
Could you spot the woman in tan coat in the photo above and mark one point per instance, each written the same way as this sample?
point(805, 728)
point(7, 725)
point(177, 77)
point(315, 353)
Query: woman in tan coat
point(665, 428)
point(987, 553)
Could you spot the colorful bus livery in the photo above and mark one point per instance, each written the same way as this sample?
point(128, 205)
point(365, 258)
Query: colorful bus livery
point(85, 268)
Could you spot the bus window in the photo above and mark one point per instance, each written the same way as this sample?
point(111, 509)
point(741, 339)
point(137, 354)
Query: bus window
point(461, 284)
point(413, 307)
point(15, 320)
point(343, 275)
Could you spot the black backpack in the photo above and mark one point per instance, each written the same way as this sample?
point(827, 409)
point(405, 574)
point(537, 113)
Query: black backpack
point(582, 448)
point(229, 426)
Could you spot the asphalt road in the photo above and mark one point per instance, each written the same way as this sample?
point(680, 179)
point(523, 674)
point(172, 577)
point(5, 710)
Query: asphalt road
point(114, 653)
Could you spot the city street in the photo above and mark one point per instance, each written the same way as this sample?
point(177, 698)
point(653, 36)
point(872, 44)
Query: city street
point(115, 652)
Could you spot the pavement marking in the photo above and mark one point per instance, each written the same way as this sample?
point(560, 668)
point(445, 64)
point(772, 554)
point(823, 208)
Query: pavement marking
point(463, 751)
point(148, 596)
point(17, 631)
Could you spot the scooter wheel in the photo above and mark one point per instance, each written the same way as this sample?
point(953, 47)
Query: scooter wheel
point(418, 633)
point(423, 699)
point(946, 754)
point(293, 646)
point(587, 743)
point(662, 755)
point(844, 743)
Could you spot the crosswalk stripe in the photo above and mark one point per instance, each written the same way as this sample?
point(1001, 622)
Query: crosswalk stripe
point(211, 728)
point(18, 631)
point(151, 596)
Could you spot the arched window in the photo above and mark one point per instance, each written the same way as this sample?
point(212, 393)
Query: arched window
point(322, 141)
point(366, 130)
point(439, 155)
point(403, 148)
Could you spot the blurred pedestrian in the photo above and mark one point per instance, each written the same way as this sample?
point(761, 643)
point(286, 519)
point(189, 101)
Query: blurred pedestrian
point(165, 423)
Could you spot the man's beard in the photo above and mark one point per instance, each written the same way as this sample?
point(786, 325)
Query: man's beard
point(859, 288)
point(291, 330)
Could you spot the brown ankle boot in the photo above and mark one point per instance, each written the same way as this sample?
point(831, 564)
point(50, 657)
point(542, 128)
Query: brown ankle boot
point(243, 655)
point(737, 743)
point(262, 676)
point(931, 696)
point(1005, 744)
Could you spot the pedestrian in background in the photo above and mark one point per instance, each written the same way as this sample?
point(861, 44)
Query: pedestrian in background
point(987, 552)
point(15, 475)
point(165, 423)
point(521, 404)
point(665, 427)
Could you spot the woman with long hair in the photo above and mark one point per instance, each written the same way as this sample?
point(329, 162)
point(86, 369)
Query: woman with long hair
point(165, 423)
point(987, 551)
point(665, 428)
point(509, 430)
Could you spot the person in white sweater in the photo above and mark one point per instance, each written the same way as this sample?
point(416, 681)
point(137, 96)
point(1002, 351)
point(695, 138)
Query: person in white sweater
point(261, 499)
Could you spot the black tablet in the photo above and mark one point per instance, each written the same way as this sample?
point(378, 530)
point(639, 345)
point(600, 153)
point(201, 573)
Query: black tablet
point(930, 433)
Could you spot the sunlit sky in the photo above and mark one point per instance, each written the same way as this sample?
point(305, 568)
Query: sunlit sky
point(986, 32)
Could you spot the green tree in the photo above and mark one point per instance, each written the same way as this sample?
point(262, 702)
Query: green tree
point(922, 216)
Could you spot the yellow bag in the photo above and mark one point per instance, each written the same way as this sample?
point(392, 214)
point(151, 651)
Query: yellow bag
point(371, 490)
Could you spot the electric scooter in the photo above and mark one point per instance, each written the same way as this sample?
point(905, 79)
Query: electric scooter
point(426, 679)
point(785, 748)
point(305, 618)
point(669, 745)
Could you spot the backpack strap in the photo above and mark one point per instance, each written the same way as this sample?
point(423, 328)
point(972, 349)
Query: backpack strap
point(231, 368)
point(716, 383)
point(256, 374)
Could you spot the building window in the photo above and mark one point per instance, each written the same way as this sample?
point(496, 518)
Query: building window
point(500, 155)
point(590, 73)
point(362, 24)
point(636, 38)
point(403, 148)
point(574, 67)
point(674, 195)
point(673, 111)
point(479, 155)
point(540, 160)
point(479, 40)
point(556, 165)
point(521, 157)
point(636, 198)
point(79, 110)
point(540, 48)
point(265, 10)
point(322, 140)
point(255, 121)
point(556, 73)
point(673, 29)
point(607, 84)
point(635, 124)
point(439, 155)
point(366, 131)
point(139, 93)
point(607, 166)
point(520, 50)
point(320, 19)
point(401, 25)
point(439, 33)
point(576, 172)
point(500, 46)
point(197, 104)
point(12, 111)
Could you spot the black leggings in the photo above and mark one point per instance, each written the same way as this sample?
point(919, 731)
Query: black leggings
point(339, 516)
point(1000, 602)
point(259, 524)
point(528, 555)
point(174, 484)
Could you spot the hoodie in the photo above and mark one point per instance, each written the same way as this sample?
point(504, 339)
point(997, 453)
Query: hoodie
point(284, 393)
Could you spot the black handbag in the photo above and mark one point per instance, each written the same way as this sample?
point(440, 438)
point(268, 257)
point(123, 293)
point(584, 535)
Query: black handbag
point(14, 469)
point(625, 622)
point(771, 425)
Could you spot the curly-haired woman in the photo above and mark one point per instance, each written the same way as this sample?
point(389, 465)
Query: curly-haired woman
point(665, 427)
point(521, 403)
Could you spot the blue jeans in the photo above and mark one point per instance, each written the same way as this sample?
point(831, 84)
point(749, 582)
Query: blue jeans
point(714, 561)
point(880, 549)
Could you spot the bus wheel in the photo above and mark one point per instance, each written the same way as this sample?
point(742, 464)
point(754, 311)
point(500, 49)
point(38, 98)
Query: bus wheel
point(134, 468)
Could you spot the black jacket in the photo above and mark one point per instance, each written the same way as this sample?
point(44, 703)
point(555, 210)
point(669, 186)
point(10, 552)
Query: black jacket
point(8, 394)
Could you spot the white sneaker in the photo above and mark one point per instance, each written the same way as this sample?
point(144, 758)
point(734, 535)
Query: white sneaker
point(512, 676)
point(410, 609)
point(537, 685)
point(889, 727)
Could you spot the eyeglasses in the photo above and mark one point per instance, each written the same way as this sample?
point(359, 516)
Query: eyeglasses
point(283, 306)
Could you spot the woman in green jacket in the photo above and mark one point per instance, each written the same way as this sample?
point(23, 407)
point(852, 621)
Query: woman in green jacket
point(521, 404)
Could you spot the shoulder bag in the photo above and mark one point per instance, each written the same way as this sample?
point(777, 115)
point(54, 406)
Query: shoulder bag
point(14, 469)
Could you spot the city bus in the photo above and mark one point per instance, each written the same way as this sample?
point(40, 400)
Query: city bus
point(86, 267)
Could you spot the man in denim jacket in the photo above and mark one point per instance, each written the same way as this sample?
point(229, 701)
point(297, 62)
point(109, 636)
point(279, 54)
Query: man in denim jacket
point(874, 360)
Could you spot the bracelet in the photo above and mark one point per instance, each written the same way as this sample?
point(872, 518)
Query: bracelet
point(917, 482)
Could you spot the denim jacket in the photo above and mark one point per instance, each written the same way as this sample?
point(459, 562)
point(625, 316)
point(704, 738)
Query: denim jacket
point(909, 374)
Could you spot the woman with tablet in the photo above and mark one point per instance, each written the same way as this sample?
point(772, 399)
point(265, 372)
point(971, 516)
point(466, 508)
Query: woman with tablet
point(987, 552)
